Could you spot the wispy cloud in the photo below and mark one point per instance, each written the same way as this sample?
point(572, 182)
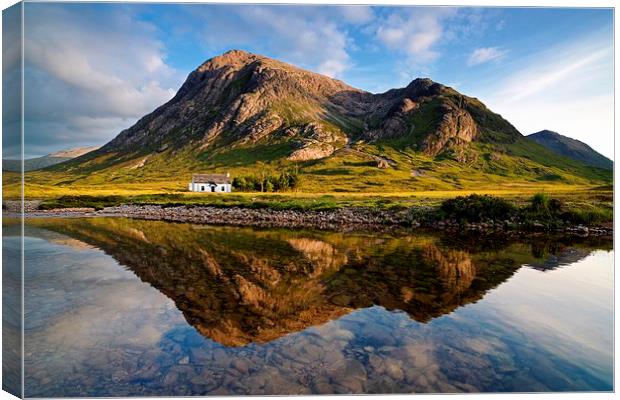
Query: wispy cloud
point(92, 70)
point(307, 36)
point(420, 38)
point(567, 88)
point(572, 70)
point(485, 54)
point(357, 14)
point(415, 32)
point(90, 74)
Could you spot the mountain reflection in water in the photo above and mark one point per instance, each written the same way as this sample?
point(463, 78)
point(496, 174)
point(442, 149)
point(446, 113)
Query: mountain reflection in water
point(243, 288)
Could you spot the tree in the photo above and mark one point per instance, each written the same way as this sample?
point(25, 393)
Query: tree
point(266, 181)
point(263, 174)
point(240, 183)
point(268, 186)
point(294, 178)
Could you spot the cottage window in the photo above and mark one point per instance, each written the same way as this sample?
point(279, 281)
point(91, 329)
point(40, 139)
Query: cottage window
point(223, 188)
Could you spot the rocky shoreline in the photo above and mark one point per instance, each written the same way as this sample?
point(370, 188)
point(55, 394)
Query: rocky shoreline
point(344, 219)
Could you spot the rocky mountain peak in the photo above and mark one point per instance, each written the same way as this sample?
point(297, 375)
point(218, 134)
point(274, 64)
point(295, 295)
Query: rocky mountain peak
point(421, 87)
point(546, 132)
point(570, 148)
point(242, 98)
point(231, 59)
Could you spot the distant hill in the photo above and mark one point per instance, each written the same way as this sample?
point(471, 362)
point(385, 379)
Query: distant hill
point(571, 148)
point(32, 164)
point(244, 113)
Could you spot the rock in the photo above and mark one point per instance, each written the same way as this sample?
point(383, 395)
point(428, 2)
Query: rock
point(200, 356)
point(240, 365)
point(162, 148)
point(456, 126)
point(349, 384)
point(583, 229)
point(311, 152)
point(382, 164)
point(170, 378)
point(321, 386)
point(376, 363)
point(393, 369)
point(354, 368)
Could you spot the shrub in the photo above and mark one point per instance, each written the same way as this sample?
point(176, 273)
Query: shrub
point(269, 186)
point(539, 202)
point(545, 210)
point(476, 208)
point(542, 204)
point(589, 217)
point(79, 201)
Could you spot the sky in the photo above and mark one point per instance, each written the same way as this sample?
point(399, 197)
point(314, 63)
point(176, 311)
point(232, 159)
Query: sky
point(94, 69)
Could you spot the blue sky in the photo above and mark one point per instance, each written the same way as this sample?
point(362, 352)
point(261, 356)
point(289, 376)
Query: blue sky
point(94, 69)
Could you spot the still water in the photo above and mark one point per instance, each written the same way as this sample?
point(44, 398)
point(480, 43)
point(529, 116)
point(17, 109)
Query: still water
point(120, 307)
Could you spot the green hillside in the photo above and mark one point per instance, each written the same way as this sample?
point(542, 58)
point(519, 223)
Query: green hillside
point(263, 117)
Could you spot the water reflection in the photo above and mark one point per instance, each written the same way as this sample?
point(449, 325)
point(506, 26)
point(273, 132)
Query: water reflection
point(273, 311)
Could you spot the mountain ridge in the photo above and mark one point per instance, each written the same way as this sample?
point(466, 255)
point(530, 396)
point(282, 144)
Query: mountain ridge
point(571, 148)
point(264, 96)
point(57, 157)
point(239, 109)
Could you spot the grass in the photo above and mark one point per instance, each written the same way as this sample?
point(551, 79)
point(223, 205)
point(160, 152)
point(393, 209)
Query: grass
point(348, 178)
point(540, 209)
point(586, 206)
point(249, 155)
point(251, 200)
point(520, 167)
point(580, 204)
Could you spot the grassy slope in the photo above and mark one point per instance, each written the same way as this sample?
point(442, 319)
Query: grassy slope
point(596, 200)
point(348, 170)
point(500, 163)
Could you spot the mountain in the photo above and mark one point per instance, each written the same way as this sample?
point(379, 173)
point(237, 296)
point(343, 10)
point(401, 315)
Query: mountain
point(240, 98)
point(240, 110)
point(32, 164)
point(571, 148)
point(247, 286)
point(74, 152)
point(238, 285)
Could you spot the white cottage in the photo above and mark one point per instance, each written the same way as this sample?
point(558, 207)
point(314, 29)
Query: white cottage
point(216, 183)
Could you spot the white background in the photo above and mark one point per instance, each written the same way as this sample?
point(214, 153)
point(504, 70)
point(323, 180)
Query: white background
point(505, 3)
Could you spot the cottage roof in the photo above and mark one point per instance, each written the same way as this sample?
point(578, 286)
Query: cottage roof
point(210, 178)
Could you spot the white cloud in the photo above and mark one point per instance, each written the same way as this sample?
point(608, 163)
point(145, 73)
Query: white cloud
point(103, 66)
point(306, 36)
point(357, 14)
point(93, 71)
point(566, 69)
point(415, 31)
point(567, 89)
point(332, 68)
point(485, 54)
point(390, 36)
